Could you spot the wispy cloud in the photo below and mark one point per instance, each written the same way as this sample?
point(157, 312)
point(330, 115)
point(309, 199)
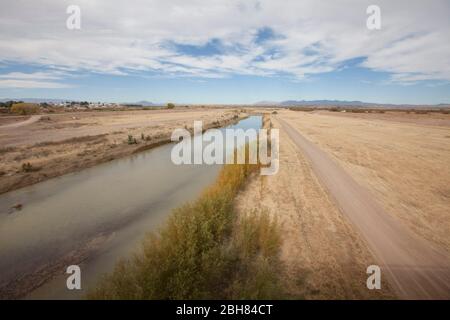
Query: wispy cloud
point(221, 38)
point(32, 80)
point(31, 84)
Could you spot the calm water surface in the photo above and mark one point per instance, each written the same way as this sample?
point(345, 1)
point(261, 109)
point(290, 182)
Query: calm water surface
point(93, 217)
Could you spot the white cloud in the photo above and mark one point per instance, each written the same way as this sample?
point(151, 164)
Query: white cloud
point(31, 84)
point(34, 75)
point(32, 80)
point(120, 37)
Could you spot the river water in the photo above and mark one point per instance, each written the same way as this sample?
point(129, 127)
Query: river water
point(92, 218)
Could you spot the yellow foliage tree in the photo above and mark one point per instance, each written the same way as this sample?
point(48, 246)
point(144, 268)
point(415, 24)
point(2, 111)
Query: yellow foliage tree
point(25, 108)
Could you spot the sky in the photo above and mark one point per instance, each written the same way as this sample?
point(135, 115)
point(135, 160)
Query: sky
point(226, 51)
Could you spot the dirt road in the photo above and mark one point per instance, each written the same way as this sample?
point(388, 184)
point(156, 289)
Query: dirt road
point(30, 120)
point(412, 265)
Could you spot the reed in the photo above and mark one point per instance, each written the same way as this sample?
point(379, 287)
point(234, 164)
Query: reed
point(204, 251)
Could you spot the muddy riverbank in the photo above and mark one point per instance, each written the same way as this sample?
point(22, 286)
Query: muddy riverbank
point(70, 145)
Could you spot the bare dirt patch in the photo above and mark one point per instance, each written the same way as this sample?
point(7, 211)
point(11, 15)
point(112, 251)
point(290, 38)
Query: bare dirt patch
point(8, 119)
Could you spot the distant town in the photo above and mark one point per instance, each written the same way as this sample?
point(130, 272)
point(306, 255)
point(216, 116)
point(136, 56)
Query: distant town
point(29, 107)
point(33, 106)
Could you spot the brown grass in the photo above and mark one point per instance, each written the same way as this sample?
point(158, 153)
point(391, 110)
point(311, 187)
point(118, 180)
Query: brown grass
point(204, 252)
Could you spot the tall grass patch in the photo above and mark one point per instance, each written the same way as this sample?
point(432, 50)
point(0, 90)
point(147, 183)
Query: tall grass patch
point(204, 251)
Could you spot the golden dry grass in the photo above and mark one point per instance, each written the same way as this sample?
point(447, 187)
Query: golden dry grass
point(324, 256)
point(204, 252)
point(404, 163)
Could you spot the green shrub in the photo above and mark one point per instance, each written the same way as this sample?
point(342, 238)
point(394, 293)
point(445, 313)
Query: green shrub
point(131, 139)
point(170, 105)
point(305, 109)
point(357, 110)
point(204, 252)
point(28, 167)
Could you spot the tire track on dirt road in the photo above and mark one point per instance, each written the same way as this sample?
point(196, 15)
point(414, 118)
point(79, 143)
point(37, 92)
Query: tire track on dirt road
point(415, 268)
point(30, 120)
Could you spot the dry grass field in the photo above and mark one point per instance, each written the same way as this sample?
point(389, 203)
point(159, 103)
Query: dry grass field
point(51, 145)
point(404, 163)
point(325, 257)
point(401, 159)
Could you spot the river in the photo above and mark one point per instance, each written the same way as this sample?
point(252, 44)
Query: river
point(91, 218)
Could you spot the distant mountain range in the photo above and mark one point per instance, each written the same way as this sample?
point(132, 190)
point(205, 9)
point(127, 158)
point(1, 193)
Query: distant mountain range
point(145, 103)
point(292, 103)
point(327, 103)
point(287, 103)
